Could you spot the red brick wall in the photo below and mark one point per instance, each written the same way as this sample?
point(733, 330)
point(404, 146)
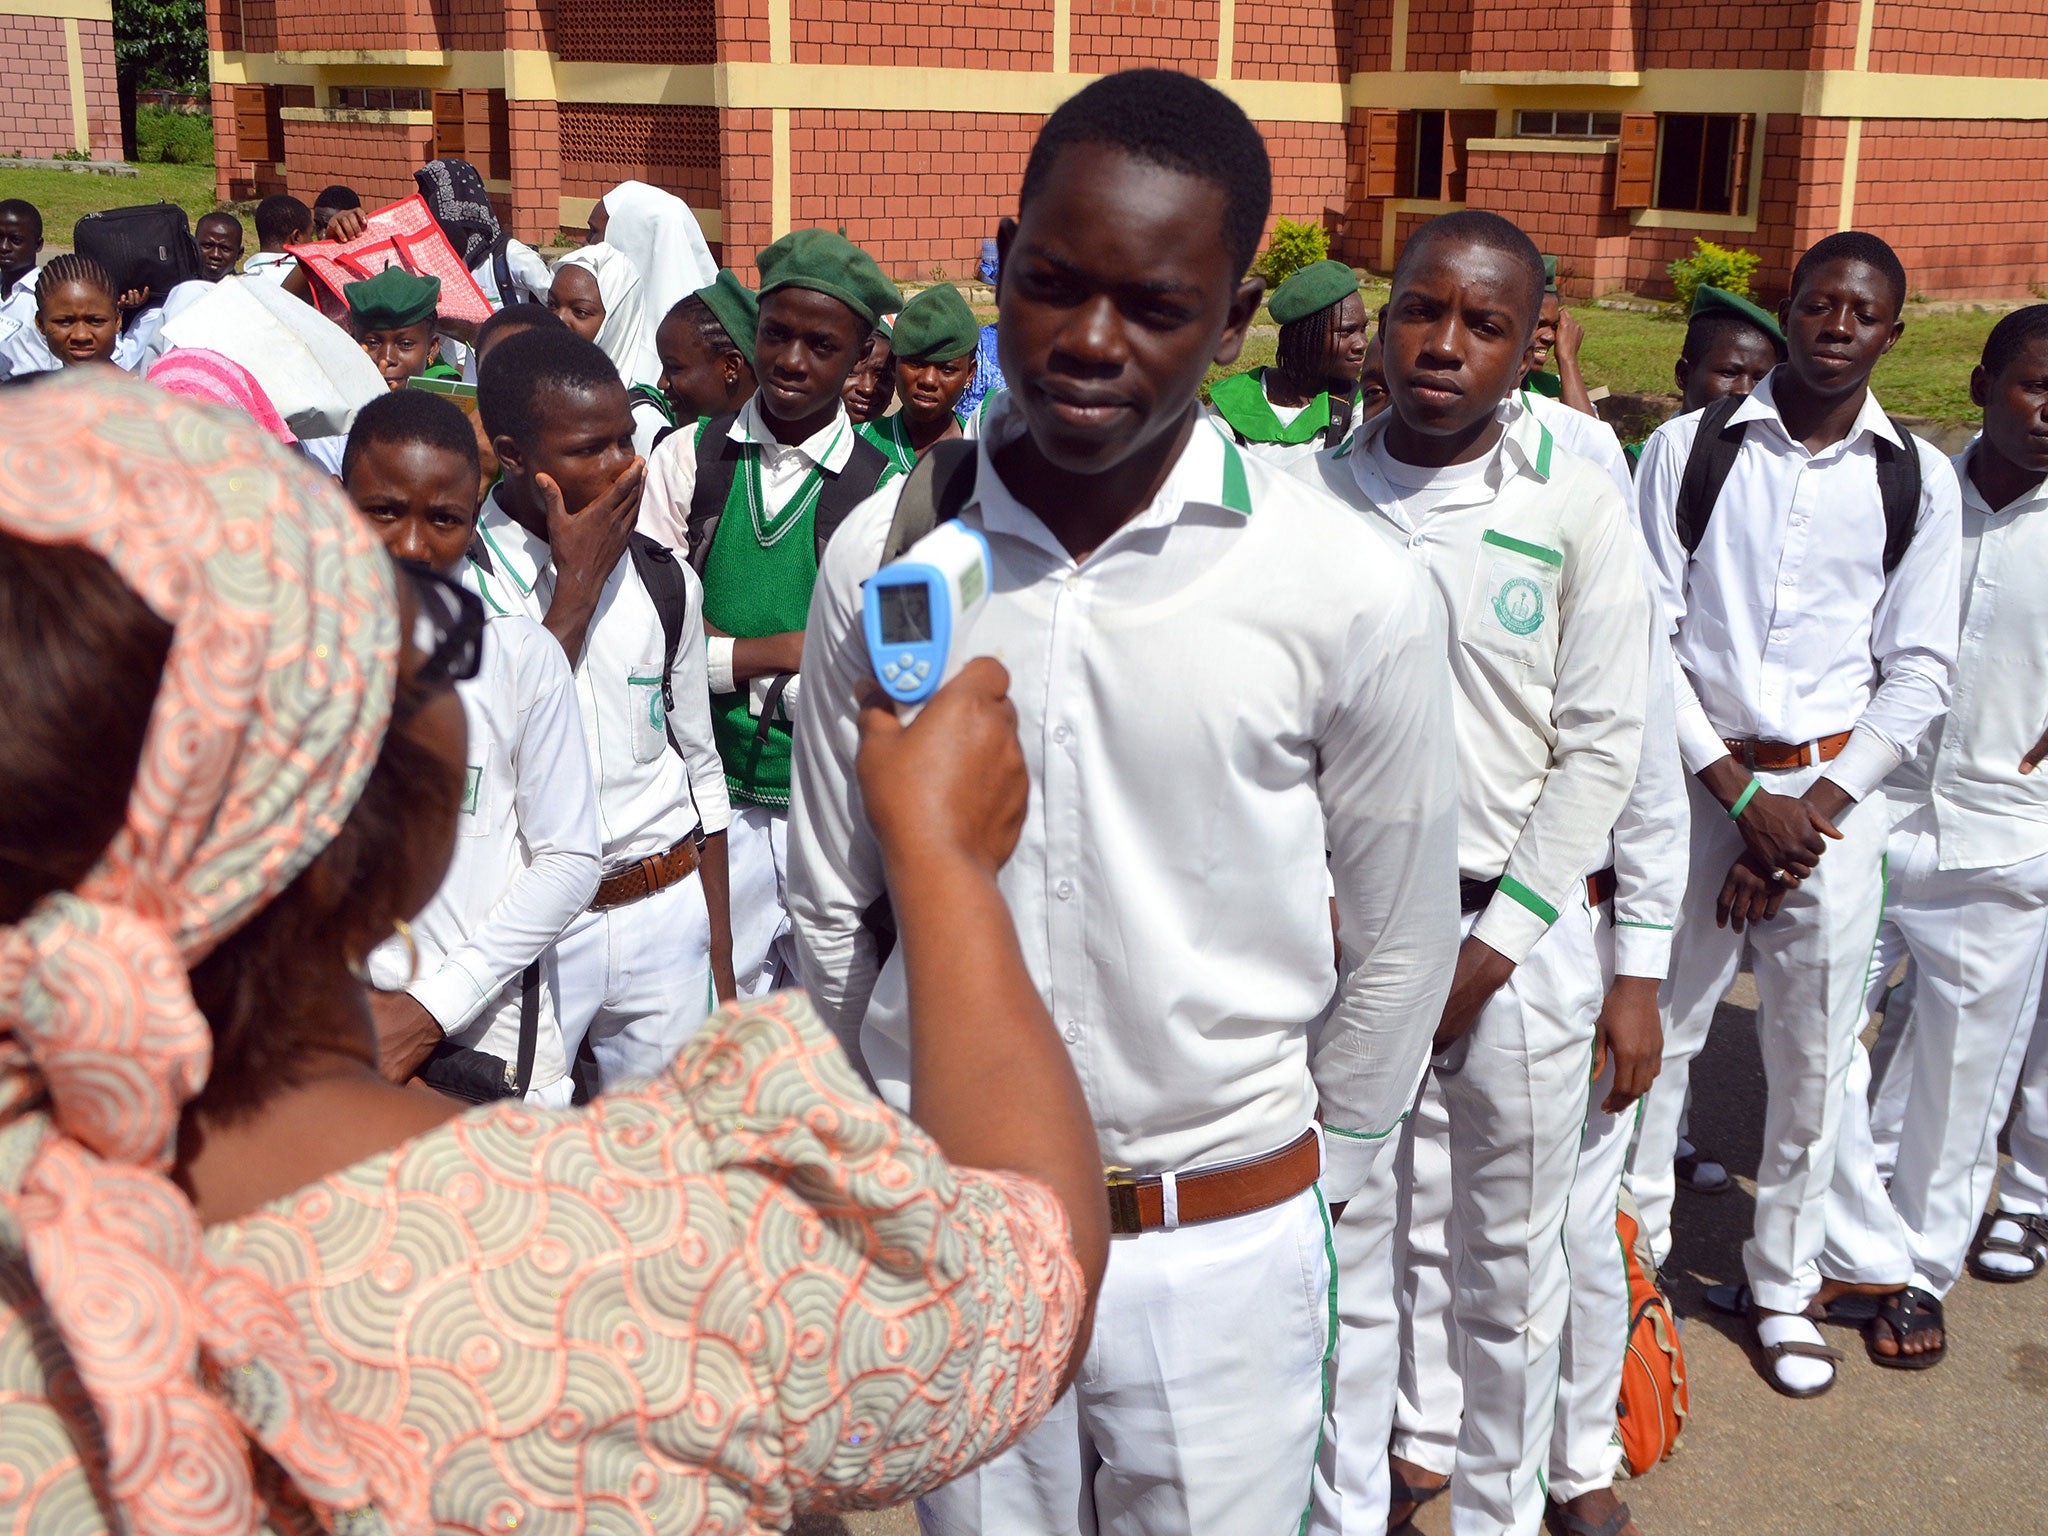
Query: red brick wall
point(1728, 34)
point(745, 197)
point(1565, 202)
point(1553, 34)
point(937, 34)
point(477, 24)
point(102, 110)
point(1367, 33)
point(1308, 171)
point(1127, 34)
point(1440, 34)
point(916, 189)
point(743, 30)
point(377, 159)
point(1982, 235)
point(348, 23)
point(673, 147)
point(636, 31)
point(1292, 40)
point(35, 91)
point(535, 204)
point(1984, 37)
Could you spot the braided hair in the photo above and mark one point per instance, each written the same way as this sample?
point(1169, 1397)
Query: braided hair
point(74, 268)
point(708, 326)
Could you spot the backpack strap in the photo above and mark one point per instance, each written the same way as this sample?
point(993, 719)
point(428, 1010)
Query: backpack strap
point(509, 291)
point(718, 460)
point(938, 489)
point(1714, 448)
point(854, 484)
point(1898, 483)
point(655, 563)
point(529, 1030)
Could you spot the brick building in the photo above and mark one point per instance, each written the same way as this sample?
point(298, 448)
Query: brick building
point(1614, 130)
point(57, 78)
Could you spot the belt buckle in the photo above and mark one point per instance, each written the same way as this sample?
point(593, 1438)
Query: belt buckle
point(1123, 1200)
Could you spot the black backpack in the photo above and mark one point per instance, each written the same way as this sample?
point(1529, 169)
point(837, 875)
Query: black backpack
point(718, 459)
point(1717, 443)
point(148, 246)
point(509, 291)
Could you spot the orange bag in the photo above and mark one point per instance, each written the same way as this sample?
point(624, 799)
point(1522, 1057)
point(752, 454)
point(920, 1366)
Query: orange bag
point(1653, 1404)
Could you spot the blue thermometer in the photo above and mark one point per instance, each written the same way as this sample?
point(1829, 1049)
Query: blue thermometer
point(918, 610)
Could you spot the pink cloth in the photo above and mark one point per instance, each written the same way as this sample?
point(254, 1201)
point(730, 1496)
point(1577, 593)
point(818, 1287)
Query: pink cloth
point(203, 375)
point(268, 720)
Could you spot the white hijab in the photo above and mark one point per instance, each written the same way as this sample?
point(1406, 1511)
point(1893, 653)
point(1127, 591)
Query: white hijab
point(625, 335)
point(659, 232)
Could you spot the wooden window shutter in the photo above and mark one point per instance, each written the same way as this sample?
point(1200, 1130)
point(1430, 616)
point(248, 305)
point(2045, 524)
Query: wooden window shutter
point(1382, 152)
point(485, 139)
point(450, 140)
point(259, 131)
point(1404, 155)
point(1459, 129)
point(1635, 163)
point(1738, 167)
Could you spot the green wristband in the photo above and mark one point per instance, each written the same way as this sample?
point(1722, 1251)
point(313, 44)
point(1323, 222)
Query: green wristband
point(1735, 810)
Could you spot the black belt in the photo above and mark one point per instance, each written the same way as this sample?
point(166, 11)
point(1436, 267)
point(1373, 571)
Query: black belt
point(1474, 895)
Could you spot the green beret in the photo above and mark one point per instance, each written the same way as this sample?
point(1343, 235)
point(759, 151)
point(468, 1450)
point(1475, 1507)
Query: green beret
point(1706, 301)
point(1315, 287)
point(936, 326)
point(392, 298)
point(1550, 274)
point(829, 263)
point(738, 309)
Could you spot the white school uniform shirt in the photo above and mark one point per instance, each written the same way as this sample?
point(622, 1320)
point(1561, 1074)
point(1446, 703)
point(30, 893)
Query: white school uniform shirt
point(529, 274)
point(672, 471)
point(649, 798)
point(526, 853)
point(272, 266)
point(1784, 623)
point(1531, 551)
point(22, 349)
point(1587, 436)
point(1241, 677)
point(1986, 812)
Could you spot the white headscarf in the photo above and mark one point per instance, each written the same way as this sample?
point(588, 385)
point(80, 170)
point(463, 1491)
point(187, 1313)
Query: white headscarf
point(625, 335)
point(659, 232)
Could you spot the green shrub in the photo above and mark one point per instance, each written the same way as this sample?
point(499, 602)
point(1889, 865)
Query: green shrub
point(1712, 266)
point(1292, 247)
point(174, 138)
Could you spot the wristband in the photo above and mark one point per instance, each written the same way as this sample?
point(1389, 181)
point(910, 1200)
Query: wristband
point(1748, 794)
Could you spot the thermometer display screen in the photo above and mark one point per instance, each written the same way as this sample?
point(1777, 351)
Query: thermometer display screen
point(906, 613)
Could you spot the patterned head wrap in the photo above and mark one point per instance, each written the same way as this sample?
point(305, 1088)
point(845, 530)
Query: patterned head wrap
point(270, 715)
point(460, 204)
point(217, 380)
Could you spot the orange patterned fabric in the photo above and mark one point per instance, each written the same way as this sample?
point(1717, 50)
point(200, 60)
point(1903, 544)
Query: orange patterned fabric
point(270, 713)
point(745, 1288)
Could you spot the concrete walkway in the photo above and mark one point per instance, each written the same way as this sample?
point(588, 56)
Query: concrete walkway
point(1960, 1448)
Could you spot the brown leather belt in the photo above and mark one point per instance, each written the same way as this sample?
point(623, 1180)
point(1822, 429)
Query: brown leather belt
point(1236, 1189)
point(656, 872)
point(1600, 887)
point(1785, 754)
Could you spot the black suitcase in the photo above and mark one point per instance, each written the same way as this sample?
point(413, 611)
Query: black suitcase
point(149, 246)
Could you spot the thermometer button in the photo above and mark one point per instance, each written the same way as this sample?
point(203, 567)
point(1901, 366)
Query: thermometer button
point(923, 670)
point(890, 671)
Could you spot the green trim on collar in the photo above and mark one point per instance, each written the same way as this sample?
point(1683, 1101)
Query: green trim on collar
point(1241, 401)
point(511, 574)
point(1534, 551)
point(1237, 493)
point(1514, 890)
point(1543, 448)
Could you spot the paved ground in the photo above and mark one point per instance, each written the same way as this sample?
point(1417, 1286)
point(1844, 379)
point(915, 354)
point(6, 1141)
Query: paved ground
point(1886, 1453)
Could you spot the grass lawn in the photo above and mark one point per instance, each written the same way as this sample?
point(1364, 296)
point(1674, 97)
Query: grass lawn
point(64, 195)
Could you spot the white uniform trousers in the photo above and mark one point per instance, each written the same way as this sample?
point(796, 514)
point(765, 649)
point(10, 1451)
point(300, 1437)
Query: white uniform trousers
point(1585, 1451)
point(2024, 1186)
point(637, 980)
point(757, 858)
point(1199, 1405)
point(1481, 1280)
point(1812, 964)
point(1977, 939)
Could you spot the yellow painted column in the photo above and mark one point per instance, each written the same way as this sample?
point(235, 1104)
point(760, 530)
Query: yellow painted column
point(1062, 24)
point(778, 172)
point(74, 65)
point(1845, 216)
point(1226, 36)
point(1397, 50)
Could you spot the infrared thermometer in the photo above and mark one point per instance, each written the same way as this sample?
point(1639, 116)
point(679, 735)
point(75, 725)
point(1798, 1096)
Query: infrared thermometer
point(918, 611)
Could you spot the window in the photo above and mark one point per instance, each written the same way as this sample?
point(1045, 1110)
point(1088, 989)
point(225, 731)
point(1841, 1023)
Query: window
point(1567, 125)
point(380, 98)
point(259, 130)
point(471, 125)
point(1420, 154)
point(1689, 162)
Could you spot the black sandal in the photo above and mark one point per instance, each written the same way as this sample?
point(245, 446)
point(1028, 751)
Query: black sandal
point(1792, 1348)
point(1849, 1310)
point(1908, 1314)
point(1560, 1521)
point(1686, 1170)
point(2031, 1245)
point(1401, 1491)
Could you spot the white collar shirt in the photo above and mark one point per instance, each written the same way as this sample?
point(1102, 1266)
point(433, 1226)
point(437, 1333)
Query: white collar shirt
point(1587, 436)
point(526, 854)
point(1542, 575)
point(1784, 623)
point(22, 348)
point(650, 794)
point(1240, 679)
point(672, 471)
point(1986, 812)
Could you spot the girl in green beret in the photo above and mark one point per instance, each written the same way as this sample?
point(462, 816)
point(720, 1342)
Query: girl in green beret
point(935, 342)
point(1304, 402)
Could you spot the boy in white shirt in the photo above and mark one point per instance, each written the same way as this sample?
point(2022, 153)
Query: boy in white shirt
point(1811, 599)
point(1531, 551)
point(480, 971)
point(1966, 880)
point(556, 543)
point(1205, 713)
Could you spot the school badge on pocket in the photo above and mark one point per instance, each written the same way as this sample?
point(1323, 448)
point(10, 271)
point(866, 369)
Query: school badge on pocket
point(1518, 605)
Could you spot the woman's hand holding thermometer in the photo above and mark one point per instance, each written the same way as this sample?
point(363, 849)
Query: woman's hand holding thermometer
point(919, 610)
